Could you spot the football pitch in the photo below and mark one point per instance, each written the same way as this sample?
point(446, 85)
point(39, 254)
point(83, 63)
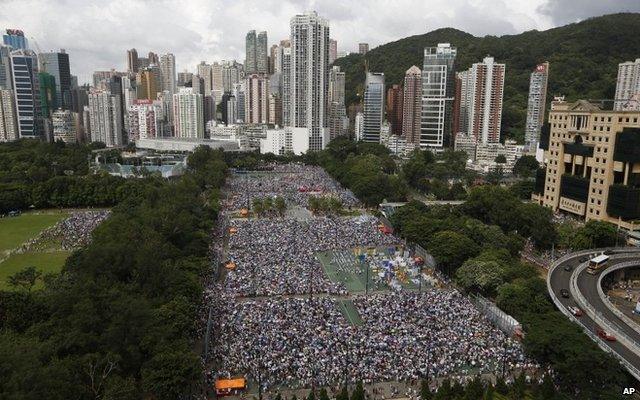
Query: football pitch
point(15, 231)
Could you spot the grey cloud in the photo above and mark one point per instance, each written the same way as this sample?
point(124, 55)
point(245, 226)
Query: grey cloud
point(567, 11)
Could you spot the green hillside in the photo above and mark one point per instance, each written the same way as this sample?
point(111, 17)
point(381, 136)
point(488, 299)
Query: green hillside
point(583, 60)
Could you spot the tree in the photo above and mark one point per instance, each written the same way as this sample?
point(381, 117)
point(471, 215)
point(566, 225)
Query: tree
point(535, 221)
point(170, 372)
point(25, 279)
point(358, 392)
point(526, 166)
point(480, 276)
point(425, 390)
point(323, 394)
point(257, 205)
point(280, 205)
point(594, 234)
point(451, 249)
point(267, 204)
point(495, 176)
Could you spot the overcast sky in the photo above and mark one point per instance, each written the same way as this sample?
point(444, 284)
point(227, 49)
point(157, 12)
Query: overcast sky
point(97, 33)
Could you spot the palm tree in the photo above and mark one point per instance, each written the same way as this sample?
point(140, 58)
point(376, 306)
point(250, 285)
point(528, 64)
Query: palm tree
point(280, 205)
point(267, 204)
point(257, 206)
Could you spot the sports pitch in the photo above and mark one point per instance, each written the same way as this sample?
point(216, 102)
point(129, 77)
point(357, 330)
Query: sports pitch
point(16, 230)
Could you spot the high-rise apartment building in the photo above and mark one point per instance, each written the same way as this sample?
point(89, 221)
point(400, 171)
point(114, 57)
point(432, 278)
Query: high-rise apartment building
point(412, 105)
point(168, 72)
point(262, 54)
point(57, 65)
point(338, 121)
point(438, 85)
point(188, 116)
point(394, 108)
point(628, 86)
point(148, 84)
point(232, 71)
point(64, 124)
point(105, 118)
point(536, 106)
point(132, 61)
point(363, 48)
point(204, 72)
point(153, 58)
point(184, 78)
point(592, 163)
point(257, 99)
point(217, 80)
point(5, 67)
point(24, 71)
point(250, 61)
point(238, 97)
point(486, 89)
point(286, 85)
point(462, 103)
point(373, 107)
point(16, 39)
point(275, 109)
point(309, 82)
point(333, 50)
point(145, 119)
point(8, 121)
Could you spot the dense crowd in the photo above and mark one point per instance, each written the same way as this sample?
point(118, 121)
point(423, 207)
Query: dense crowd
point(70, 233)
point(285, 338)
point(297, 342)
point(295, 183)
point(276, 257)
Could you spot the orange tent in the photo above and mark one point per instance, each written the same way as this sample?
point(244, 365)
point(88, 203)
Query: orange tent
point(244, 213)
point(226, 386)
point(233, 230)
point(230, 265)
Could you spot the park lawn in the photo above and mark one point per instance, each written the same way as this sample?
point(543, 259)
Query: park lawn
point(16, 230)
point(45, 262)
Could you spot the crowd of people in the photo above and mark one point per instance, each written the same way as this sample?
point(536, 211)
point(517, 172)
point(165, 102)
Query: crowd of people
point(277, 257)
point(407, 335)
point(293, 182)
point(277, 320)
point(68, 234)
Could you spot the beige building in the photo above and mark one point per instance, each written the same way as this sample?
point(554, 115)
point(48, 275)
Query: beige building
point(592, 163)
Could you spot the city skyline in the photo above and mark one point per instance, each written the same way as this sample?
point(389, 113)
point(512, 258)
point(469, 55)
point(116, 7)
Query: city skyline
point(98, 36)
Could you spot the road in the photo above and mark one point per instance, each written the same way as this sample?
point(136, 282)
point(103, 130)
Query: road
point(587, 284)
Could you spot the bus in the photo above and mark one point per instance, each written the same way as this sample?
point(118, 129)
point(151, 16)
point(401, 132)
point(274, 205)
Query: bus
point(597, 263)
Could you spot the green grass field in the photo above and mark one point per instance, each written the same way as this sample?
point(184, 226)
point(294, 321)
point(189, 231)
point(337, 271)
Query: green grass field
point(44, 262)
point(16, 230)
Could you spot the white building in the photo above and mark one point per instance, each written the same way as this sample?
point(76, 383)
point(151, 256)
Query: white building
point(168, 72)
point(105, 118)
point(278, 141)
point(64, 125)
point(536, 106)
point(628, 86)
point(8, 122)
point(438, 86)
point(359, 125)
point(373, 107)
point(145, 120)
point(396, 143)
point(466, 143)
point(309, 81)
point(486, 154)
point(188, 118)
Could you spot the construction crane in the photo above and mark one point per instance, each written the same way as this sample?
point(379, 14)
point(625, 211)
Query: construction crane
point(41, 60)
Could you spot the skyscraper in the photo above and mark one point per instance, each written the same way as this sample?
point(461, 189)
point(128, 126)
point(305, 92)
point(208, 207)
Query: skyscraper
point(338, 121)
point(8, 122)
point(536, 105)
point(105, 118)
point(217, 80)
point(24, 70)
point(257, 99)
point(145, 119)
point(250, 61)
point(168, 72)
point(153, 58)
point(363, 48)
point(48, 97)
point(132, 61)
point(231, 73)
point(412, 105)
point(57, 64)
point(204, 72)
point(286, 85)
point(628, 86)
point(184, 78)
point(262, 54)
point(238, 96)
point(188, 116)
point(437, 95)
point(373, 106)
point(64, 126)
point(333, 50)
point(15, 38)
point(148, 84)
point(309, 84)
point(394, 108)
point(462, 103)
point(5, 68)
point(485, 89)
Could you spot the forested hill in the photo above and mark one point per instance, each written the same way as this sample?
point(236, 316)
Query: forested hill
point(583, 60)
